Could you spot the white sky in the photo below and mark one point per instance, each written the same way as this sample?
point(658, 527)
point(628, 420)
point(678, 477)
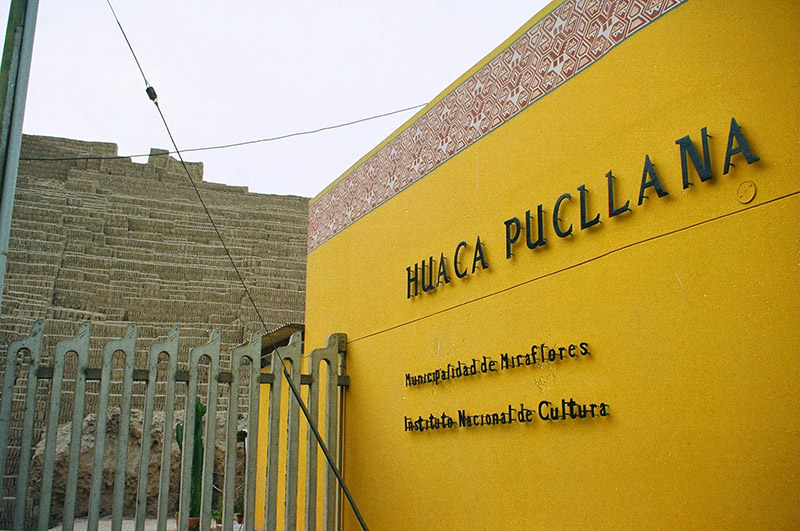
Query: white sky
point(242, 70)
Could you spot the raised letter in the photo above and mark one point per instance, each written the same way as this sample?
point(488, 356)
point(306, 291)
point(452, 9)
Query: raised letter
point(459, 274)
point(561, 233)
point(585, 224)
point(442, 272)
point(653, 181)
point(510, 239)
point(703, 167)
point(427, 283)
point(571, 405)
point(540, 240)
point(743, 147)
point(412, 280)
point(479, 257)
point(611, 210)
point(543, 416)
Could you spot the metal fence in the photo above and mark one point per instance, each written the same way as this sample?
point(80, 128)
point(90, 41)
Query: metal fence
point(33, 511)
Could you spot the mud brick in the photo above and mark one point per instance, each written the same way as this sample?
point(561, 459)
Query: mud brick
point(114, 241)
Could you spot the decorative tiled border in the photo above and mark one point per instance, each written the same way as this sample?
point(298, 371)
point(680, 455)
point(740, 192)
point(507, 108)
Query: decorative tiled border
point(567, 40)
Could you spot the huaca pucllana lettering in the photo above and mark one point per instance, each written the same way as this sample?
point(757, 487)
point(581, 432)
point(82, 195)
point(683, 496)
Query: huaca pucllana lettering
point(566, 409)
point(430, 273)
point(531, 231)
point(540, 353)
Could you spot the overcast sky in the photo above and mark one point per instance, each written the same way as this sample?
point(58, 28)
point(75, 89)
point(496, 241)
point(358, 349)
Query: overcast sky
point(235, 71)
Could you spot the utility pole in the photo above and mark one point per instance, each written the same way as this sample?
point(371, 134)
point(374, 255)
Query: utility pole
point(14, 73)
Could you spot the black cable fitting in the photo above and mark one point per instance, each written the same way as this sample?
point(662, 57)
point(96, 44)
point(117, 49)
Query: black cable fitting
point(151, 93)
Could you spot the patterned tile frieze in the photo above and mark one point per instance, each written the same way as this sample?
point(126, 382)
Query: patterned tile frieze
point(564, 42)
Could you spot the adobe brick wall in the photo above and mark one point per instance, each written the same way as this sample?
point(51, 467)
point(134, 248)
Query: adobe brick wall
point(113, 242)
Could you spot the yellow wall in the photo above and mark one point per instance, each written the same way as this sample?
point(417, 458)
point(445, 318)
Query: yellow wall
point(689, 303)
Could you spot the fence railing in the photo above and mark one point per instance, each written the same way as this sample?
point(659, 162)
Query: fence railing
point(245, 371)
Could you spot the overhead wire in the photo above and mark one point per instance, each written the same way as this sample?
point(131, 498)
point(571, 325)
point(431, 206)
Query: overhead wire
point(236, 144)
point(125, 35)
point(151, 93)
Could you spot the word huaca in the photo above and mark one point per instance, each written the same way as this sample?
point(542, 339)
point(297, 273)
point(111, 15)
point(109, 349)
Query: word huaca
point(428, 276)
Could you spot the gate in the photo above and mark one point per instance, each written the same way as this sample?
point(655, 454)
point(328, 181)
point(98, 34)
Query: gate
point(162, 368)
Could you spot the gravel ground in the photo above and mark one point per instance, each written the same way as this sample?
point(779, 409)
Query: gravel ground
point(127, 525)
point(130, 525)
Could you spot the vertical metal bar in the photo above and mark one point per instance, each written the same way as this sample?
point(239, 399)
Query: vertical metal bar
point(11, 154)
point(229, 487)
point(100, 439)
point(126, 344)
point(33, 344)
point(27, 425)
point(188, 433)
point(330, 355)
point(340, 395)
point(81, 348)
point(332, 432)
point(311, 444)
point(8, 76)
point(9, 379)
point(171, 348)
point(273, 444)
point(62, 347)
point(187, 444)
point(293, 353)
point(211, 350)
point(252, 352)
point(252, 433)
point(170, 345)
point(124, 430)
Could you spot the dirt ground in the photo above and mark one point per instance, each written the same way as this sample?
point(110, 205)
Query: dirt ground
point(129, 525)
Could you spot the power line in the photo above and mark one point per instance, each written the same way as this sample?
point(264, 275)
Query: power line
point(151, 93)
point(128, 42)
point(237, 144)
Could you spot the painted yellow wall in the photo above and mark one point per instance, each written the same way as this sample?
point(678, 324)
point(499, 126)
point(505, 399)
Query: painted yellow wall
point(689, 303)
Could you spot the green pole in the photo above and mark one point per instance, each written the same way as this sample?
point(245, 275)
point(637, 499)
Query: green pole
point(16, 16)
point(14, 73)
